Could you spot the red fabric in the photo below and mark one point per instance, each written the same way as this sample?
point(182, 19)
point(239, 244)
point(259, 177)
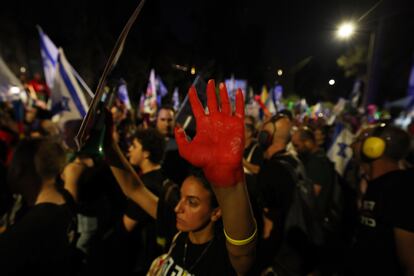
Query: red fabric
point(6, 137)
point(40, 87)
point(262, 106)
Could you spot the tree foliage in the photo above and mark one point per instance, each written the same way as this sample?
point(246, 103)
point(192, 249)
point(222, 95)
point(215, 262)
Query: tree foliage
point(354, 61)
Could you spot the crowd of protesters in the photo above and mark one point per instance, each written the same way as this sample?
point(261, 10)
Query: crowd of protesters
point(240, 196)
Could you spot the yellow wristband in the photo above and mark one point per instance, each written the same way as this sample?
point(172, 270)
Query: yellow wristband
point(241, 242)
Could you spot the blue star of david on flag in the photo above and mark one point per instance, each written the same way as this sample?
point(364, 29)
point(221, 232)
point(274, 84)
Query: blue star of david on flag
point(340, 153)
point(342, 150)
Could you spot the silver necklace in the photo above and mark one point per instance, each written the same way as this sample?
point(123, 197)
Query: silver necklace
point(199, 258)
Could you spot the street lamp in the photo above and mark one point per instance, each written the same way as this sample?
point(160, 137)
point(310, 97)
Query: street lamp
point(279, 72)
point(331, 82)
point(345, 30)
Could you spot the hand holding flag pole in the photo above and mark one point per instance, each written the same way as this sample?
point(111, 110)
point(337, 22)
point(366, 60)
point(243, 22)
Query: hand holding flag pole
point(93, 119)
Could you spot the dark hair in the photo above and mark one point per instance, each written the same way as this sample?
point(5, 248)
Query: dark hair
point(251, 126)
point(251, 118)
point(324, 129)
point(50, 159)
point(153, 142)
point(199, 174)
point(166, 107)
point(397, 142)
point(306, 134)
point(34, 160)
point(287, 113)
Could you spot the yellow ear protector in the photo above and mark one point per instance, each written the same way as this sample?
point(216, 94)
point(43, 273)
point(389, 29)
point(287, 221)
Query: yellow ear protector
point(374, 146)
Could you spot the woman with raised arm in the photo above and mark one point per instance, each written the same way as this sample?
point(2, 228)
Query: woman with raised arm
point(203, 246)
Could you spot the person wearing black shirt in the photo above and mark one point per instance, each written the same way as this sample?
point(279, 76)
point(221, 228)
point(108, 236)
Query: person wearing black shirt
point(318, 167)
point(146, 153)
point(205, 258)
point(320, 170)
point(384, 240)
point(42, 241)
point(286, 254)
point(217, 148)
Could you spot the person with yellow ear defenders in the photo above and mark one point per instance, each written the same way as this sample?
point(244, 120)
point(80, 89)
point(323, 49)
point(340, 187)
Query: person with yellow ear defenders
point(373, 146)
point(384, 243)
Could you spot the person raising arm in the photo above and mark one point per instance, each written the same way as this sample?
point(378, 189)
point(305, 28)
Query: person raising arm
point(217, 149)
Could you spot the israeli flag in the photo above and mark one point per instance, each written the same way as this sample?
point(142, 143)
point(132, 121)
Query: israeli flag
point(340, 151)
point(123, 94)
point(49, 53)
point(162, 90)
point(176, 99)
point(68, 99)
point(11, 88)
point(150, 99)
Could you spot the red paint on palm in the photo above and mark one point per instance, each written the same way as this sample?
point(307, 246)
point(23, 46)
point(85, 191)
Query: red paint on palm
point(218, 145)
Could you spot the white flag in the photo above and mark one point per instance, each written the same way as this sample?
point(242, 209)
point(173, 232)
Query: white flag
point(11, 88)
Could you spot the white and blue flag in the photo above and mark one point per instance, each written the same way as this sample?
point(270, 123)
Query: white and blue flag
point(123, 94)
point(340, 151)
point(176, 99)
point(162, 90)
point(49, 53)
point(68, 99)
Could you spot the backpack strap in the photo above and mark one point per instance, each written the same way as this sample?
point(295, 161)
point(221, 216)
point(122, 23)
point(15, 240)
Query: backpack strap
point(249, 157)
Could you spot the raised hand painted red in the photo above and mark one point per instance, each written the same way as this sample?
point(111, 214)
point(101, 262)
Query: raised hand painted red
point(218, 145)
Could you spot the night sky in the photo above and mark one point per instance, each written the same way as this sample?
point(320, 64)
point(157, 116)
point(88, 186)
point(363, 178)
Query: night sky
point(250, 39)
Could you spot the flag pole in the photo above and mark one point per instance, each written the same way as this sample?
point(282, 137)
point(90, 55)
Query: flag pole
point(87, 122)
point(186, 98)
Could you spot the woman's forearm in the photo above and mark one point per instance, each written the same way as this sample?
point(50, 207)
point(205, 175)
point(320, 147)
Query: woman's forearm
point(239, 224)
point(130, 183)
